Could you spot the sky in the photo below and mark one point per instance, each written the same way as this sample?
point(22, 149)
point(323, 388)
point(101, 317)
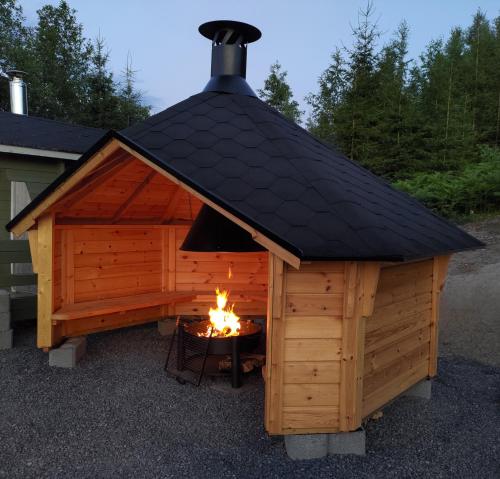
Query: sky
point(172, 59)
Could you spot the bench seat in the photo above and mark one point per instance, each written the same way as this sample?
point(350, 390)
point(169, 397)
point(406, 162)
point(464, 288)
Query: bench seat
point(89, 309)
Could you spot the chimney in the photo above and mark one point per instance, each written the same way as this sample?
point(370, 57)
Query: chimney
point(18, 92)
point(229, 55)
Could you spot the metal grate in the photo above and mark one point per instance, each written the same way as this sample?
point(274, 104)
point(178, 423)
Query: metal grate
point(187, 355)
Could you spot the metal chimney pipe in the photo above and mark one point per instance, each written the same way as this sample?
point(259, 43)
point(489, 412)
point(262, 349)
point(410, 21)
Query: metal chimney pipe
point(18, 92)
point(229, 55)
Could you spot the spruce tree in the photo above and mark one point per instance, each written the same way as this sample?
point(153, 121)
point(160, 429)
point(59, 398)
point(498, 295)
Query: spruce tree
point(131, 108)
point(101, 109)
point(63, 61)
point(278, 94)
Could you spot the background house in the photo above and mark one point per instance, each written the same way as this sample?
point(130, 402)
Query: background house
point(33, 151)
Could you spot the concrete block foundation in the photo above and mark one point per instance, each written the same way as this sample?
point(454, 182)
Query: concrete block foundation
point(6, 333)
point(347, 443)
point(315, 446)
point(422, 390)
point(6, 338)
point(166, 326)
point(69, 353)
point(306, 446)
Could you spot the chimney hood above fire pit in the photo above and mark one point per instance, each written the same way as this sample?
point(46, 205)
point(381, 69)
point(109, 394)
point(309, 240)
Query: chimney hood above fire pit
point(212, 231)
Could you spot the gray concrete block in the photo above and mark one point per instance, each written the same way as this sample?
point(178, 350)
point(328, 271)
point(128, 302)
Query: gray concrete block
point(4, 321)
point(6, 339)
point(4, 301)
point(166, 327)
point(69, 353)
point(347, 443)
point(306, 446)
point(422, 390)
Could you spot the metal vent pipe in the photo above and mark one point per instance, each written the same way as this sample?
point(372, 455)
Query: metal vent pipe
point(18, 92)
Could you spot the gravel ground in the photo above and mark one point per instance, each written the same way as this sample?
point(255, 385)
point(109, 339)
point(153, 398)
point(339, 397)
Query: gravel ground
point(118, 415)
point(470, 309)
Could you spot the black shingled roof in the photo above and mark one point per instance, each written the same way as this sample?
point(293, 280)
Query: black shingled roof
point(275, 176)
point(43, 134)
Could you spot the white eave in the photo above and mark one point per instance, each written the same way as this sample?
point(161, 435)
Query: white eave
point(21, 150)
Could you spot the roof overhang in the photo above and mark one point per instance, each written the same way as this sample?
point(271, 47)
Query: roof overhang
point(112, 142)
point(22, 150)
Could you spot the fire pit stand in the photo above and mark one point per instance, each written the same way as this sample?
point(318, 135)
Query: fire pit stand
point(192, 354)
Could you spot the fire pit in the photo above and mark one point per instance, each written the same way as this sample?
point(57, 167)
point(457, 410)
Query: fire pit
point(203, 346)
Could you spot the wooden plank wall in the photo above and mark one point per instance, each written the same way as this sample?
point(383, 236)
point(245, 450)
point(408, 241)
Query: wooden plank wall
point(397, 344)
point(304, 350)
point(98, 262)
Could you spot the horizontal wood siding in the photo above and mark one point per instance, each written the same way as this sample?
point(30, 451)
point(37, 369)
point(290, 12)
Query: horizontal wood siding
point(306, 350)
point(95, 263)
point(397, 341)
point(203, 272)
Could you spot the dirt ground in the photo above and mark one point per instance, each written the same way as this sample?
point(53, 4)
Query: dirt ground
point(470, 306)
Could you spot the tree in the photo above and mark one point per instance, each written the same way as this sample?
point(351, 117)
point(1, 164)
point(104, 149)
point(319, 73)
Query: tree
point(101, 106)
point(64, 57)
point(332, 87)
point(13, 38)
point(278, 94)
point(131, 108)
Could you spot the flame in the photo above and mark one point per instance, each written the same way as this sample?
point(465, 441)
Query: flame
point(223, 319)
point(229, 273)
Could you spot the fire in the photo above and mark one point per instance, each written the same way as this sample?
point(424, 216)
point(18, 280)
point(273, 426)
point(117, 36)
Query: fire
point(223, 319)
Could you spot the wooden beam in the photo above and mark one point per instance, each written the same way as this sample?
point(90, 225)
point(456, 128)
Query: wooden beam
point(172, 266)
point(361, 281)
point(90, 184)
point(98, 158)
point(172, 205)
point(258, 237)
point(33, 242)
point(439, 270)
point(137, 191)
point(111, 147)
point(67, 267)
point(275, 345)
point(46, 334)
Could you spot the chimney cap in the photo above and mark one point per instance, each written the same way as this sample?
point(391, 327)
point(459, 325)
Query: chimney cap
point(248, 32)
point(13, 73)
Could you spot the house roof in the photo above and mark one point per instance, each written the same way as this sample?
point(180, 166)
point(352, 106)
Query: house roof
point(276, 177)
point(43, 134)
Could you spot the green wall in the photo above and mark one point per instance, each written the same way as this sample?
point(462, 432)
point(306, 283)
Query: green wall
point(37, 173)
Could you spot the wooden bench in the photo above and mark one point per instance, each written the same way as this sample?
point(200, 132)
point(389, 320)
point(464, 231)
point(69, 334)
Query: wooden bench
point(90, 309)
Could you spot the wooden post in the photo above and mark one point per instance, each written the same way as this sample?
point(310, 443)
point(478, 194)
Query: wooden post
point(361, 281)
point(171, 264)
point(46, 336)
point(439, 270)
point(275, 346)
point(33, 242)
point(67, 267)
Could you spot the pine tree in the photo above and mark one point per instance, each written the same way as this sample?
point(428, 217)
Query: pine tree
point(278, 94)
point(101, 109)
point(131, 108)
point(13, 39)
point(332, 86)
point(358, 113)
point(64, 58)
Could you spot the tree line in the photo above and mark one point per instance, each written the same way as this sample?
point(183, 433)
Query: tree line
point(431, 126)
point(68, 75)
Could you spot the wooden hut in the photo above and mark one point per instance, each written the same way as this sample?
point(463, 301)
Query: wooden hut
point(349, 279)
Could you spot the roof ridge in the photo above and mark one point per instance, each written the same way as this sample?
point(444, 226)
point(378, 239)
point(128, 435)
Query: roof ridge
point(49, 120)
